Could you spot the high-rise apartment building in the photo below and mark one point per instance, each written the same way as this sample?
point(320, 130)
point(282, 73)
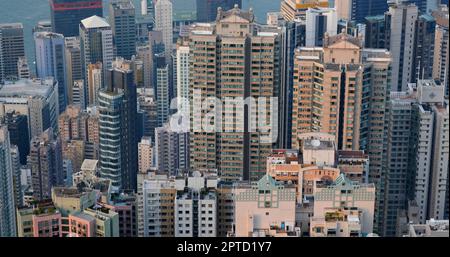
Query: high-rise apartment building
point(76, 124)
point(74, 67)
point(182, 70)
point(94, 82)
point(144, 53)
point(162, 88)
point(51, 61)
point(171, 150)
point(423, 48)
point(67, 14)
point(148, 106)
point(45, 160)
point(7, 205)
point(417, 150)
point(122, 18)
point(377, 69)
point(400, 27)
point(156, 197)
point(78, 93)
point(375, 32)
point(164, 23)
point(12, 47)
point(293, 34)
point(147, 8)
point(334, 107)
point(96, 40)
point(196, 206)
point(145, 154)
point(17, 185)
point(441, 47)
point(232, 60)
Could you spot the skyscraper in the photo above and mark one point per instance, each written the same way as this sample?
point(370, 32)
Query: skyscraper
point(147, 8)
point(18, 133)
point(416, 169)
point(207, 9)
point(334, 106)
point(123, 24)
point(76, 124)
point(220, 66)
point(148, 106)
point(441, 47)
point(162, 87)
point(318, 22)
point(375, 32)
point(182, 78)
point(94, 82)
point(423, 48)
point(374, 110)
point(12, 47)
point(110, 123)
point(145, 154)
point(164, 23)
point(293, 36)
point(66, 15)
point(17, 185)
point(171, 151)
point(74, 67)
point(117, 127)
point(51, 61)
point(7, 207)
point(400, 30)
point(96, 43)
point(46, 164)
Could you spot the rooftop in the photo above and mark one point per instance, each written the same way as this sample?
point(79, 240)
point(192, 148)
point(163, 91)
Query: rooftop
point(47, 34)
point(316, 144)
point(249, 16)
point(11, 26)
point(95, 22)
point(89, 164)
point(25, 88)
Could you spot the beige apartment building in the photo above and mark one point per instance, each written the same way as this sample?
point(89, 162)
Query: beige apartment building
point(94, 82)
point(145, 154)
point(233, 58)
point(79, 130)
point(343, 208)
point(316, 160)
point(264, 208)
point(328, 90)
